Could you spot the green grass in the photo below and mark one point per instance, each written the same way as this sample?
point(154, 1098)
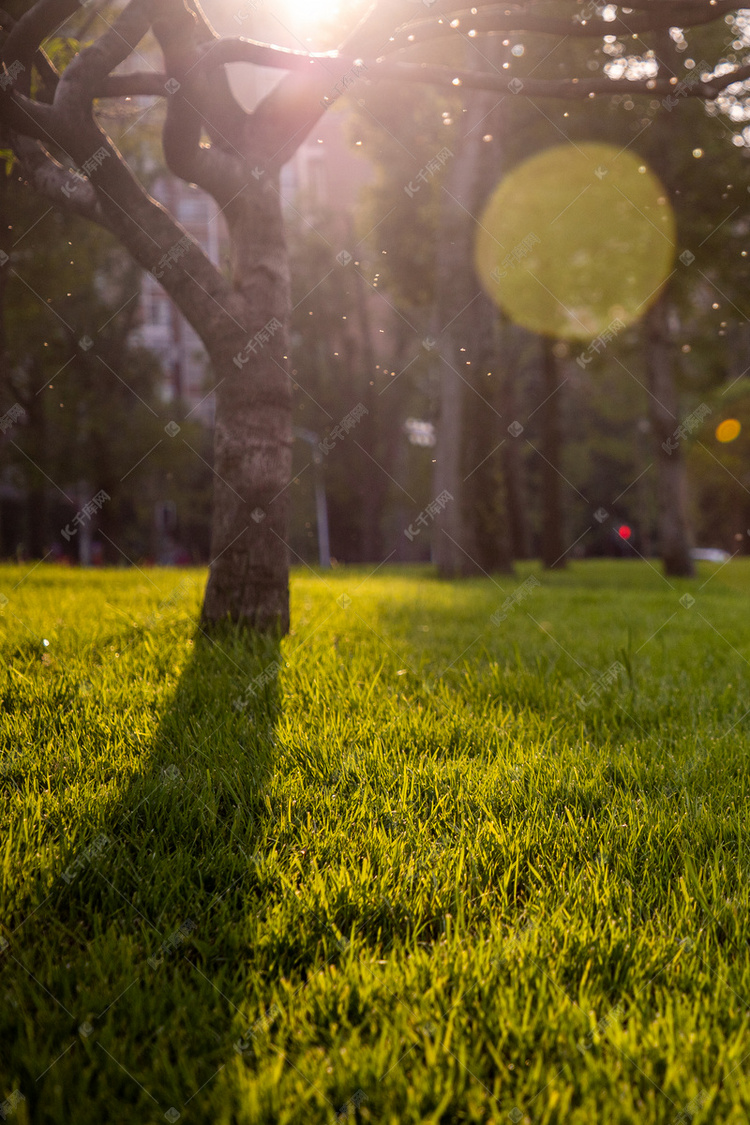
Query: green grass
point(431, 869)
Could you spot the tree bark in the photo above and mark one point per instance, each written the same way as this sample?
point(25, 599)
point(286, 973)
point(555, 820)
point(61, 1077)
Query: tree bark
point(248, 578)
point(375, 483)
point(454, 553)
point(553, 511)
point(472, 537)
point(37, 507)
point(513, 463)
point(674, 533)
point(675, 536)
point(484, 468)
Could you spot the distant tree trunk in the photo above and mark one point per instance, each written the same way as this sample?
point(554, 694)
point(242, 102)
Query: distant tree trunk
point(553, 544)
point(513, 464)
point(472, 536)
point(643, 487)
point(37, 517)
point(484, 475)
point(675, 536)
point(5, 247)
point(455, 551)
point(374, 483)
point(451, 536)
point(84, 537)
point(400, 456)
point(37, 501)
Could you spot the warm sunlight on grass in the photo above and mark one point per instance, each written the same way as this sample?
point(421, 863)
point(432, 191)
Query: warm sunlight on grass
point(414, 863)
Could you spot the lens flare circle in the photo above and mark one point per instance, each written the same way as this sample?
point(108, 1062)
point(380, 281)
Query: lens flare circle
point(728, 430)
point(576, 241)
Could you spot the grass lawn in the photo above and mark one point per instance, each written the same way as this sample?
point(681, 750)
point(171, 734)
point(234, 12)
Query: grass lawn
point(412, 866)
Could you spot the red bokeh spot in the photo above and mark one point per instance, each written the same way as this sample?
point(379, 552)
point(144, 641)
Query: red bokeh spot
point(624, 531)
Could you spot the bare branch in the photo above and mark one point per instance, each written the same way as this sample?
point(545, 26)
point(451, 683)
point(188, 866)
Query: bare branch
point(71, 194)
point(551, 88)
point(712, 89)
point(204, 101)
point(237, 50)
point(92, 65)
point(674, 8)
point(34, 26)
point(137, 84)
point(503, 21)
point(678, 12)
point(109, 192)
point(47, 72)
point(262, 54)
point(28, 118)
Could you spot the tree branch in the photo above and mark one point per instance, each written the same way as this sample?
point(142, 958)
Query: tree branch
point(92, 65)
point(238, 50)
point(109, 193)
point(69, 193)
point(154, 84)
point(674, 10)
point(34, 26)
point(502, 20)
point(29, 118)
point(47, 72)
point(199, 101)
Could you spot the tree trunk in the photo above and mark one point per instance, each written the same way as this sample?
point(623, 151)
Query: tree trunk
point(37, 499)
point(453, 551)
point(375, 482)
point(553, 516)
point(37, 518)
point(675, 537)
point(513, 463)
point(249, 572)
point(484, 476)
point(645, 497)
point(472, 532)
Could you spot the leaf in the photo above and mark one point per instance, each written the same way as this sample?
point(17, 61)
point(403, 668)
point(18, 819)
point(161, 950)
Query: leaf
point(61, 50)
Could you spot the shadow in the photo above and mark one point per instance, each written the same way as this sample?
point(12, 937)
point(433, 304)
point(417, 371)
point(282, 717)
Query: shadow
point(198, 786)
point(131, 965)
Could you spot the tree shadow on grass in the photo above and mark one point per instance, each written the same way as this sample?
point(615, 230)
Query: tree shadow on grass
point(186, 826)
point(132, 971)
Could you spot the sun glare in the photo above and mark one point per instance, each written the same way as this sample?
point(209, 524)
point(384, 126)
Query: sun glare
point(311, 14)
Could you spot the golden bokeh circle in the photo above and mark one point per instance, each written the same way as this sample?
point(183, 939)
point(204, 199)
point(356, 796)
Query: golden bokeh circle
point(576, 239)
point(728, 430)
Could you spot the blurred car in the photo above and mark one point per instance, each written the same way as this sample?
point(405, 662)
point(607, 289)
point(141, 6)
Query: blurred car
point(709, 554)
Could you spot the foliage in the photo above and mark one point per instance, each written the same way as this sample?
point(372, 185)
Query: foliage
point(93, 401)
point(719, 473)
